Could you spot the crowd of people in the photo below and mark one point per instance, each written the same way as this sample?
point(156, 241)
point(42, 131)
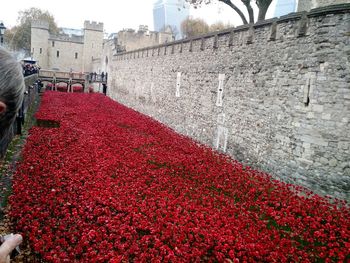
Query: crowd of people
point(98, 77)
point(29, 69)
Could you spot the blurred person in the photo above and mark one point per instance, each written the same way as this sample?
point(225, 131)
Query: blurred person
point(9, 246)
point(11, 97)
point(11, 91)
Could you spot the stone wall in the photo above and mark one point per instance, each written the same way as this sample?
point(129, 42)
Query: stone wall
point(275, 95)
point(69, 57)
point(306, 5)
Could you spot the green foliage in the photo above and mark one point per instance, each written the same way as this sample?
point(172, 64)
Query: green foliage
point(18, 37)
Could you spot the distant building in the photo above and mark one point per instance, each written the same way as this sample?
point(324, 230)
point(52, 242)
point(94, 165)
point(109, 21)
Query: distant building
point(71, 49)
point(129, 39)
point(170, 13)
point(86, 50)
point(284, 7)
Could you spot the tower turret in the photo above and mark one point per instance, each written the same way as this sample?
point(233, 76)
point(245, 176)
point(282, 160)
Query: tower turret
point(39, 42)
point(93, 41)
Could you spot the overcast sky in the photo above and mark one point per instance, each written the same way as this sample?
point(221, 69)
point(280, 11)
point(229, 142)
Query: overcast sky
point(115, 14)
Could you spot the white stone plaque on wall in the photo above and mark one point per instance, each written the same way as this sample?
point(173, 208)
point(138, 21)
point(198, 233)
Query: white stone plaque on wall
point(178, 84)
point(221, 139)
point(152, 95)
point(221, 119)
point(142, 92)
point(309, 87)
point(220, 92)
point(136, 89)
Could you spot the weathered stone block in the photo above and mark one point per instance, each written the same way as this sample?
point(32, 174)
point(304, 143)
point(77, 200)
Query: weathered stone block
point(317, 108)
point(344, 145)
point(333, 162)
point(326, 116)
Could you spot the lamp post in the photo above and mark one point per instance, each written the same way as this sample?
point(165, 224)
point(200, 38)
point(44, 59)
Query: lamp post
point(2, 32)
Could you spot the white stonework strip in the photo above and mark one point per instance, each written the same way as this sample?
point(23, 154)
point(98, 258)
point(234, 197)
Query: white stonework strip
point(152, 94)
point(178, 84)
point(221, 119)
point(220, 93)
point(306, 91)
point(221, 138)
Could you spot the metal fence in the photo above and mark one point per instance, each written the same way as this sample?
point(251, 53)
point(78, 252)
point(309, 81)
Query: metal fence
point(31, 94)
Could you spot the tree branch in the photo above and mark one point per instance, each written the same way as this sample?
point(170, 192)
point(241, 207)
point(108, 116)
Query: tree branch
point(249, 9)
point(234, 7)
point(263, 6)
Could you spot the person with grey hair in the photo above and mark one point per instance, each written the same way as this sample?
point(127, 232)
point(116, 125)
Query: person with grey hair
point(11, 91)
point(11, 97)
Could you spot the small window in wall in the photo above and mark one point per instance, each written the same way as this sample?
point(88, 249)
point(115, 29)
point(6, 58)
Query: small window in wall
point(58, 54)
point(33, 51)
point(41, 50)
point(53, 43)
point(76, 55)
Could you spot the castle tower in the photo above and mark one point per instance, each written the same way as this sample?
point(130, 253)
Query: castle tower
point(93, 41)
point(39, 42)
point(307, 5)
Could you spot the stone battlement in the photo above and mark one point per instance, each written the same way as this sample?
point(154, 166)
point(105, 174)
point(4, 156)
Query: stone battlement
point(246, 33)
point(68, 38)
point(40, 24)
point(93, 26)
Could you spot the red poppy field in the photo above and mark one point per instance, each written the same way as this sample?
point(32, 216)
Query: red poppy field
point(104, 183)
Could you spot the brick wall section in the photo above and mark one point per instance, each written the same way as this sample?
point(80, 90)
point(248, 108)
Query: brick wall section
point(275, 96)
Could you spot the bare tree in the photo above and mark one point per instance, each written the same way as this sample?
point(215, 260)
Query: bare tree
point(263, 6)
point(219, 26)
point(18, 37)
point(193, 27)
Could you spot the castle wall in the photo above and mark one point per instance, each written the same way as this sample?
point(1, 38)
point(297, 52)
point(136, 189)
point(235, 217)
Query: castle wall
point(67, 55)
point(76, 53)
point(132, 40)
point(102, 64)
point(275, 96)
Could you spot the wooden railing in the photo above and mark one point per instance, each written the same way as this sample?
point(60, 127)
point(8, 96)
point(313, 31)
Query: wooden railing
point(50, 74)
